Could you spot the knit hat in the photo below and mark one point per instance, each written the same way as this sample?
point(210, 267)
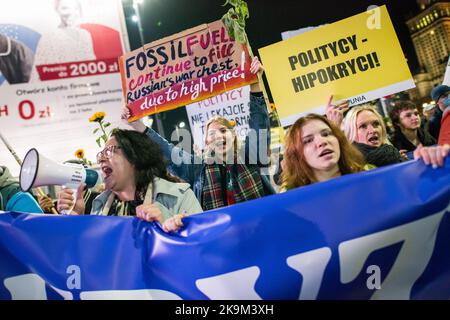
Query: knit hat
point(438, 91)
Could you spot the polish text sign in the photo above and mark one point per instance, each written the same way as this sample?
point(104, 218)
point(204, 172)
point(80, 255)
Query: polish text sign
point(358, 58)
point(232, 105)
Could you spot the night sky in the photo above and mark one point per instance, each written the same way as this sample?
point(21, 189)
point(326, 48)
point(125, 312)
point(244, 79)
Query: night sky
point(162, 18)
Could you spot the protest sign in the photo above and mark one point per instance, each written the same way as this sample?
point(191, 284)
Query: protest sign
point(184, 68)
point(231, 105)
point(447, 73)
point(337, 239)
point(358, 58)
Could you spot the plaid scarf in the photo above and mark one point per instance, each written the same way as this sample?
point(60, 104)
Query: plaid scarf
point(229, 184)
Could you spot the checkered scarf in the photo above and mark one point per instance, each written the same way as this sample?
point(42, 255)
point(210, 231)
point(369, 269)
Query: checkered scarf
point(225, 185)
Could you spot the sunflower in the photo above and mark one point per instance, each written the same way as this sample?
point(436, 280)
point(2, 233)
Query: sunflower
point(232, 123)
point(79, 153)
point(272, 107)
point(97, 117)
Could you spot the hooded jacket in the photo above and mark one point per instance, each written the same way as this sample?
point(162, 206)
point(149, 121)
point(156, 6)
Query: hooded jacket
point(11, 196)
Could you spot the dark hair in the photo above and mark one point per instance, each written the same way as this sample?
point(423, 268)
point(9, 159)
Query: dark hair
point(394, 114)
point(145, 155)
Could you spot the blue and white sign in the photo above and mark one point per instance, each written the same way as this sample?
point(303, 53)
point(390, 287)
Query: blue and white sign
point(381, 234)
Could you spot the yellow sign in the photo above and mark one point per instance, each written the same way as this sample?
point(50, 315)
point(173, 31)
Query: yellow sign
point(276, 137)
point(358, 58)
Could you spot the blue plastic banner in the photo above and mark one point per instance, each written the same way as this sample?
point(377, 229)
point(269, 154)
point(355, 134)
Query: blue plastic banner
point(381, 234)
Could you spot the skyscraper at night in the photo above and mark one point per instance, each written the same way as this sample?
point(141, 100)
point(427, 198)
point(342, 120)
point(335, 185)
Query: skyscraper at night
point(430, 33)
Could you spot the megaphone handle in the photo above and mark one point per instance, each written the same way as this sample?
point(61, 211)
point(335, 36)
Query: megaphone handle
point(75, 194)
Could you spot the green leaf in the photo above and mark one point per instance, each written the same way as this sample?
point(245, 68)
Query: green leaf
point(98, 142)
point(95, 131)
point(234, 20)
point(107, 125)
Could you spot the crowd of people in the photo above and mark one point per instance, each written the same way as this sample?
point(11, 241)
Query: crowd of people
point(148, 177)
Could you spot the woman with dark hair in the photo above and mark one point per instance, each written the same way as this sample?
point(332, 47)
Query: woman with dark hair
point(408, 133)
point(317, 150)
point(137, 183)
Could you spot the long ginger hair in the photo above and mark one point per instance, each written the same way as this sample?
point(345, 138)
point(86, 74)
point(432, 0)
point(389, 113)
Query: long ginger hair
point(297, 172)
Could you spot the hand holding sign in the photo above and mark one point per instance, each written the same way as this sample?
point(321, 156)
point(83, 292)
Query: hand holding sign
point(137, 125)
point(255, 68)
point(335, 113)
point(173, 223)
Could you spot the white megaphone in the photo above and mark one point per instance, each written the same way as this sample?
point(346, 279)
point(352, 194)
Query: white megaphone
point(38, 171)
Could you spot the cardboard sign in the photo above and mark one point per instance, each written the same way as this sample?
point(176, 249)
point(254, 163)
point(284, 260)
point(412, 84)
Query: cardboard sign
point(190, 66)
point(232, 105)
point(358, 58)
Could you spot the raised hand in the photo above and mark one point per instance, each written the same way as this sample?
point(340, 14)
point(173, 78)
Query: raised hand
point(137, 125)
point(335, 113)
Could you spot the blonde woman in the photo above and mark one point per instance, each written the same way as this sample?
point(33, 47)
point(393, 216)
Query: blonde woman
point(222, 177)
point(365, 128)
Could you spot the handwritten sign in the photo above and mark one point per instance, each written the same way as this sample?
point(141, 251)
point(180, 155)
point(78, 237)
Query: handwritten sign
point(184, 68)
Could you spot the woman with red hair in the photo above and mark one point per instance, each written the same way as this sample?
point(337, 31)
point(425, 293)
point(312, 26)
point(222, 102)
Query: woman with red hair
point(317, 150)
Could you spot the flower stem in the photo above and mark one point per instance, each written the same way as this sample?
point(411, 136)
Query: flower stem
point(104, 136)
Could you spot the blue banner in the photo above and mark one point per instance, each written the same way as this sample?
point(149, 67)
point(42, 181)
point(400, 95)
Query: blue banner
point(381, 234)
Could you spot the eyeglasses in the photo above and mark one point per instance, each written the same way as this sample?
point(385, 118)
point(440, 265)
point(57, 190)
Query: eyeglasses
point(106, 153)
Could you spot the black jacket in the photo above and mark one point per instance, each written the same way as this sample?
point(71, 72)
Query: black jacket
point(402, 143)
point(383, 155)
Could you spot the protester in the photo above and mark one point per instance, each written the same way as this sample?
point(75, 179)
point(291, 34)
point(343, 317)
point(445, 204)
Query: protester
point(364, 127)
point(46, 202)
point(137, 184)
point(438, 94)
point(317, 150)
point(224, 175)
point(444, 133)
point(427, 113)
point(11, 196)
point(408, 133)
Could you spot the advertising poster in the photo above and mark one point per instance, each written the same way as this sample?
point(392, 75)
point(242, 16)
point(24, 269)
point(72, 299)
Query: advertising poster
point(58, 66)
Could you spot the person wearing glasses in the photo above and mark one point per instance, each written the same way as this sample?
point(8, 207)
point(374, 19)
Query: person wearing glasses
point(137, 184)
point(408, 134)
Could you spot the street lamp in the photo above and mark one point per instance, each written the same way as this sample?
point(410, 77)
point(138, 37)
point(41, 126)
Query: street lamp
point(137, 18)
